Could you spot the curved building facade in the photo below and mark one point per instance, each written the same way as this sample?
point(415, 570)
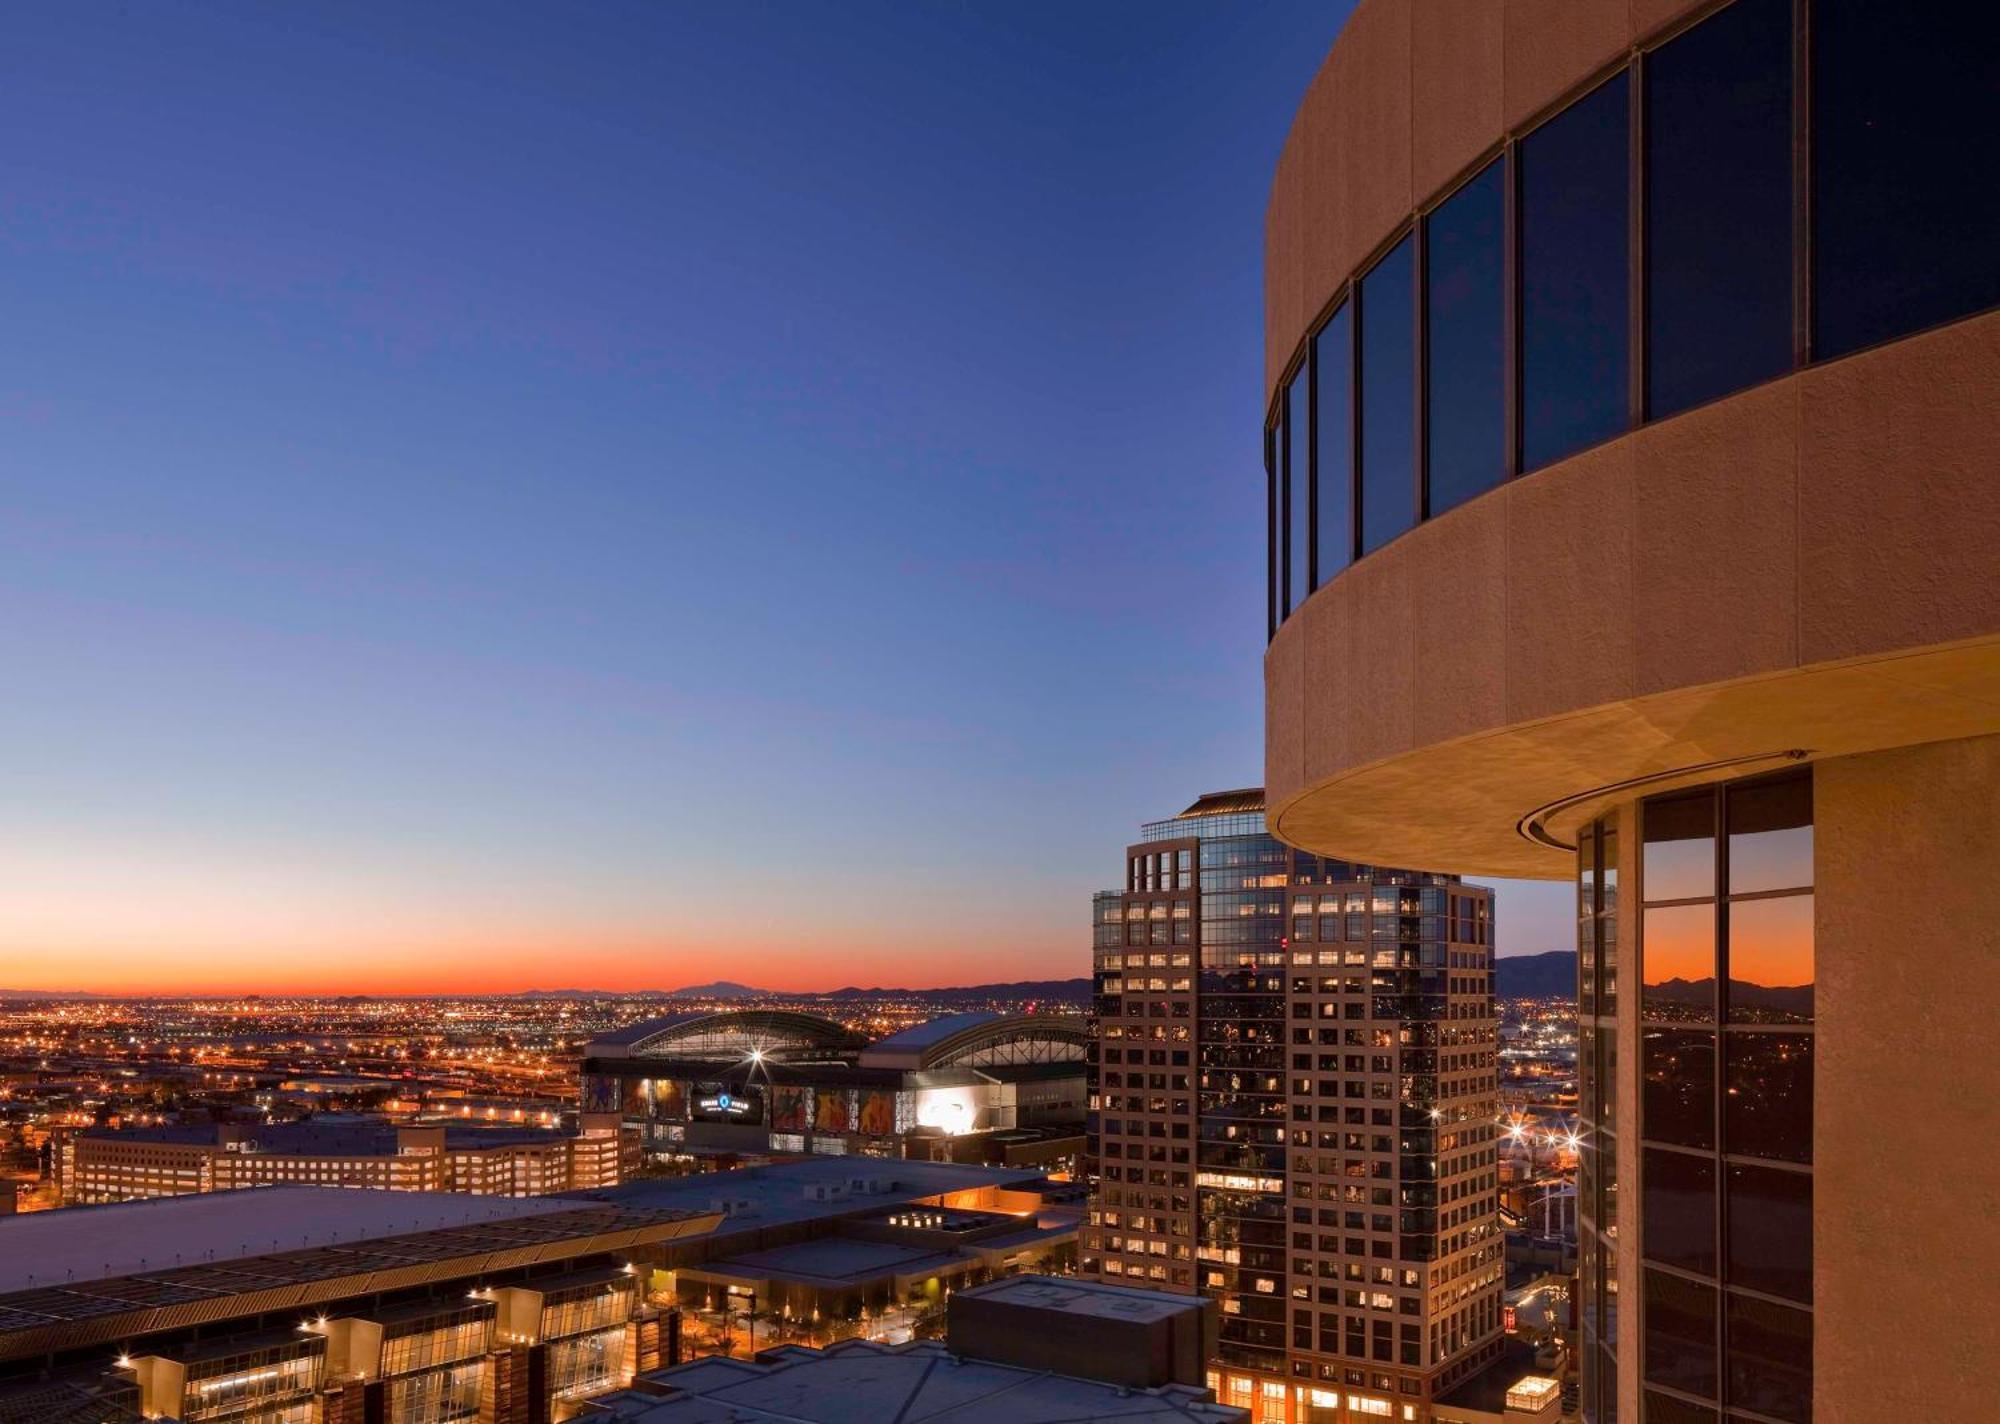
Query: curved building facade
point(1633, 400)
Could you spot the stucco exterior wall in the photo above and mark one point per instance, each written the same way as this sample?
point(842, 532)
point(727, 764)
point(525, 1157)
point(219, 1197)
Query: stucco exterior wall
point(1907, 850)
point(1841, 514)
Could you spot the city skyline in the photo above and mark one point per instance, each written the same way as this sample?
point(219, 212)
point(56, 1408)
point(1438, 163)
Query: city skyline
point(415, 505)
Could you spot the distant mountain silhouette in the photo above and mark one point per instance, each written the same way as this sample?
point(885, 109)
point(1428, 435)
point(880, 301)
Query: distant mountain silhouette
point(720, 989)
point(1536, 976)
point(1074, 990)
point(1776, 1003)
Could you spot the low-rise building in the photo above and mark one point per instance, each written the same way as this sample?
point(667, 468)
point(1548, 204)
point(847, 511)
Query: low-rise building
point(101, 1165)
point(312, 1305)
point(757, 1082)
point(1029, 1350)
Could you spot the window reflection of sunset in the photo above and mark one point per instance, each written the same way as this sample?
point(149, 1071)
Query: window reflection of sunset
point(1680, 943)
point(1771, 941)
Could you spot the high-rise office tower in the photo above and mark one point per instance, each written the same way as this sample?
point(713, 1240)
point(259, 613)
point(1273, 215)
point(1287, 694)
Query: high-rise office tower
point(1633, 378)
point(1293, 1094)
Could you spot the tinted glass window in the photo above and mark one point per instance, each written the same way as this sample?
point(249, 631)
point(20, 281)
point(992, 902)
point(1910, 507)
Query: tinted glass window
point(1607, 1069)
point(1719, 206)
point(1770, 1358)
point(1466, 410)
point(1678, 945)
point(1388, 398)
point(1273, 533)
point(1607, 947)
point(1680, 1210)
point(1770, 1230)
point(1680, 1333)
point(1770, 1093)
point(1667, 1409)
point(1586, 927)
point(1298, 469)
point(1677, 1094)
point(1680, 847)
point(1906, 178)
point(1333, 437)
point(1770, 835)
point(1771, 960)
point(1575, 249)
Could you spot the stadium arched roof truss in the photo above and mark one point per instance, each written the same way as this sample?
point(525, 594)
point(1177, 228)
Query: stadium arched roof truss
point(1020, 1039)
point(736, 1033)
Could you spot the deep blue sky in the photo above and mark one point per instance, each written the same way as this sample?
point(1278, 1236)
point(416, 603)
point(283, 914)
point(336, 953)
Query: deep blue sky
point(624, 493)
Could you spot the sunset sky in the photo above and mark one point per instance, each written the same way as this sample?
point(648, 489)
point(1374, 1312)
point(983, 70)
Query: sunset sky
point(626, 495)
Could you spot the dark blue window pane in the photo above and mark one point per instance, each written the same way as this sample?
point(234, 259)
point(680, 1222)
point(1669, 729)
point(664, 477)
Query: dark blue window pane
point(1388, 398)
point(1575, 250)
point(1719, 207)
point(1298, 469)
point(1466, 410)
point(1333, 434)
point(1273, 535)
point(1906, 175)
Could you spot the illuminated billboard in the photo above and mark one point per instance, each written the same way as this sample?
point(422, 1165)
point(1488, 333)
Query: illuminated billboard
point(718, 1102)
point(949, 1110)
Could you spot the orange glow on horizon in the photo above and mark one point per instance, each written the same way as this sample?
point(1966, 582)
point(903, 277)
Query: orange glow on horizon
point(481, 964)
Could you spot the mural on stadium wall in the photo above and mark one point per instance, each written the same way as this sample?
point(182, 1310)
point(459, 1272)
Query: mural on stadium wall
point(600, 1092)
point(791, 1108)
point(877, 1115)
point(670, 1100)
point(833, 1111)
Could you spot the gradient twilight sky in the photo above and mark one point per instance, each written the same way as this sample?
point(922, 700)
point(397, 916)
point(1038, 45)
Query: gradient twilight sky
point(623, 495)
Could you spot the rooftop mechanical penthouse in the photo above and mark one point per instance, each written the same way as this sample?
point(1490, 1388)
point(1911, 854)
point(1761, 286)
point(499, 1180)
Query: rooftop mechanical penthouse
point(1633, 407)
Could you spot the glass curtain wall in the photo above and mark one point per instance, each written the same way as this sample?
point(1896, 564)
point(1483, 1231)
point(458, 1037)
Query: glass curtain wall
point(1597, 1095)
point(1726, 1031)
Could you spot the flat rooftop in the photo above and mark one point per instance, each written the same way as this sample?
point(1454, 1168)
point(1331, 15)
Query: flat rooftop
point(833, 1261)
point(1083, 1297)
point(860, 1382)
point(1487, 1390)
point(92, 1242)
point(94, 1275)
point(778, 1193)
